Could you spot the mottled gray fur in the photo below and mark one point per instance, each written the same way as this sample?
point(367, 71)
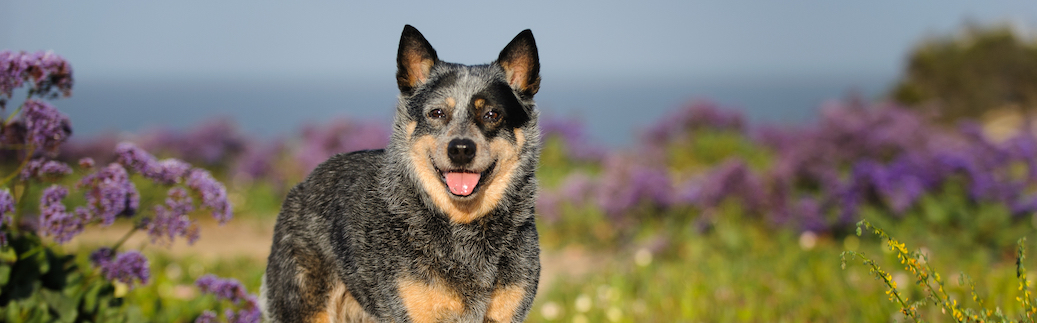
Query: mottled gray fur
point(364, 220)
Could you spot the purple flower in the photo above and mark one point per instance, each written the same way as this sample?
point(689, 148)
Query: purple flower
point(700, 115)
point(810, 215)
point(171, 219)
point(6, 208)
point(206, 317)
point(248, 314)
point(624, 187)
point(224, 289)
point(231, 289)
point(102, 257)
point(167, 171)
point(110, 193)
point(732, 179)
point(54, 220)
point(547, 206)
point(258, 160)
point(339, 136)
point(49, 71)
point(45, 126)
point(571, 132)
point(12, 72)
point(86, 162)
point(127, 267)
point(214, 194)
point(41, 169)
point(577, 187)
point(46, 70)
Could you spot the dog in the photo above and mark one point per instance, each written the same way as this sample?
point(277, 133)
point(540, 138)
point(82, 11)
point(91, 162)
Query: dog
point(438, 226)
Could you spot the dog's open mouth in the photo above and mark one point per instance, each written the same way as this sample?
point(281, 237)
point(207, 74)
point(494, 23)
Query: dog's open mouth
point(464, 182)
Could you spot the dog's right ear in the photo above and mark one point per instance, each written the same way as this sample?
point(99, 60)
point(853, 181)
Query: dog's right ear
point(414, 60)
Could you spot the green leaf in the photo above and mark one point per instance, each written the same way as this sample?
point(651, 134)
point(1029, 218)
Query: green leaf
point(64, 306)
point(91, 296)
point(5, 274)
point(8, 255)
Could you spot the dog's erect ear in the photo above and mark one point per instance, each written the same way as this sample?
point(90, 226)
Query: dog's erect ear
point(414, 60)
point(522, 64)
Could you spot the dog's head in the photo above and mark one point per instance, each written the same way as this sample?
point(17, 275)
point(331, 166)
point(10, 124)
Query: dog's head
point(469, 131)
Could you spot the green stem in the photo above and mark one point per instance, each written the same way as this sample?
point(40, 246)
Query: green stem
point(19, 209)
point(16, 110)
point(17, 171)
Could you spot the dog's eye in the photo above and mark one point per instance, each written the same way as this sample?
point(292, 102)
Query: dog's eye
point(491, 116)
point(436, 114)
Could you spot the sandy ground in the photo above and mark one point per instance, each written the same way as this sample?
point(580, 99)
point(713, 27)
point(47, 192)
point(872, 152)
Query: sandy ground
point(252, 238)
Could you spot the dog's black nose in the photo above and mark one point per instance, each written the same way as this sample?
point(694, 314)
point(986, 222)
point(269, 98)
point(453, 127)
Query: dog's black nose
point(461, 151)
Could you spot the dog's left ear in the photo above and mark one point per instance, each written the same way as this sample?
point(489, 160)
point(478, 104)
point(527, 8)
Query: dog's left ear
point(414, 60)
point(521, 64)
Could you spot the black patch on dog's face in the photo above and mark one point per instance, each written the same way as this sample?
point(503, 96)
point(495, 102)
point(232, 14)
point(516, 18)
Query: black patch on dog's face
point(500, 98)
point(496, 97)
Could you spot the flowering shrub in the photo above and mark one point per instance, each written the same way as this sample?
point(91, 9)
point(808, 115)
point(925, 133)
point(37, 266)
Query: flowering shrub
point(856, 158)
point(930, 281)
point(38, 283)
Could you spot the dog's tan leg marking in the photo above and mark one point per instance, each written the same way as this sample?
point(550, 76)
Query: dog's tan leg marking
point(504, 302)
point(429, 302)
point(507, 161)
point(342, 307)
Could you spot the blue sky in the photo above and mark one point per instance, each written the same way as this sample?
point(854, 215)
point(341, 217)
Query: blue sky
point(775, 59)
point(130, 39)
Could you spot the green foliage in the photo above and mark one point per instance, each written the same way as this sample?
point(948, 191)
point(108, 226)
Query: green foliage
point(704, 149)
point(934, 289)
point(966, 75)
point(37, 284)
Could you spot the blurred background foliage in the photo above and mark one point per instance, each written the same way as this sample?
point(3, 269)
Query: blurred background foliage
point(969, 74)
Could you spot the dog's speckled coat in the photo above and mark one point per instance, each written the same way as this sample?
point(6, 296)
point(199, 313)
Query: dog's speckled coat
point(377, 235)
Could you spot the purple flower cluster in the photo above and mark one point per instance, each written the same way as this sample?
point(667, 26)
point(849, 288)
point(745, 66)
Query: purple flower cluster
point(210, 144)
point(697, 116)
point(45, 126)
point(214, 194)
point(110, 193)
point(167, 171)
point(171, 219)
point(229, 289)
point(6, 208)
point(818, 177)
point(47, 72)
point(571, 132)
point(45, 169)
point(339, 136)
point(259, 160)
point(127, 267)
point(55, 220)
point(625, 186)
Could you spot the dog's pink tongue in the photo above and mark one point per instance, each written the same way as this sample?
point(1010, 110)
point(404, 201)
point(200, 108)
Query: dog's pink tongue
point(461, 183)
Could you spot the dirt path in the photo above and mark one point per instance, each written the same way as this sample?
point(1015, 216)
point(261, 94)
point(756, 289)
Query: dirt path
point(251, 238)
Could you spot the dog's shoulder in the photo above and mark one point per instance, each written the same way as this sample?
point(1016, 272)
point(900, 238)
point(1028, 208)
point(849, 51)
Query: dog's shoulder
point(343, 172)
point(342, 178)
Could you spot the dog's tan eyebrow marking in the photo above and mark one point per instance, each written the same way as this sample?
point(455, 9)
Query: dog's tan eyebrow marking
point(450, 102)
point(479, 103)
